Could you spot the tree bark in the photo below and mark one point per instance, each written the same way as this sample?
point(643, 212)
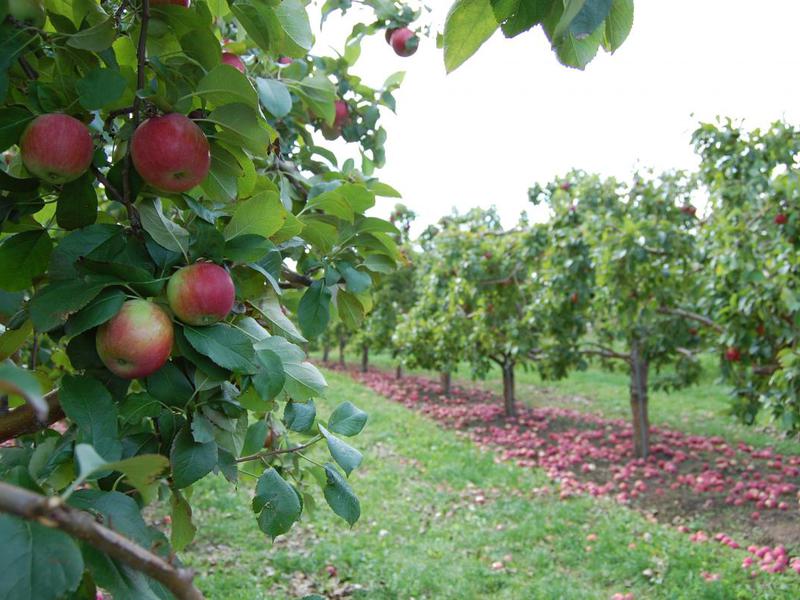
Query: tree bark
point(23, 419)
point(342, 344)
point(51, 512)
point(326, 351)
point(364, 358)
point(641, 421)
point(398, 372)
point(445, 380)
point(509, 397)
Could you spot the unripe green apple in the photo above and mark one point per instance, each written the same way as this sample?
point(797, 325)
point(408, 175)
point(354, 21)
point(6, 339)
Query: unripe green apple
point(56, 148)
point(137, 341)
point(201, 294)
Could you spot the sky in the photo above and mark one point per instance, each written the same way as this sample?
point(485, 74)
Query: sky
point(512, 115)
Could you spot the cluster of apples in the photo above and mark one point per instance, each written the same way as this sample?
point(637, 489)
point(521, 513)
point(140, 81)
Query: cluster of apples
point(137, 341)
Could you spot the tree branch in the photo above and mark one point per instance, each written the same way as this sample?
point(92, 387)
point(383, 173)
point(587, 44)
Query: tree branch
point(268, 453)
point(51, 512)
point(124, 199)
point(604, 352)
point(23, 419)
point(30, 72)
point(679, 312)
point(295, 280)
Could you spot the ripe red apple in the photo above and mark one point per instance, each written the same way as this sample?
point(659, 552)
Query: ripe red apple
point(339, 121)
point(573, 297)
point(404, 41)
point(136, 342)
point(201, 294)
point(171, 153)
point(688, 209)
point(184, 3)
point(388, 34)
point(284, 60)
point(56, 148)
point(565, 186)
point(234, 61)
point(733, 355)
point(30, 12)
point(781, 219)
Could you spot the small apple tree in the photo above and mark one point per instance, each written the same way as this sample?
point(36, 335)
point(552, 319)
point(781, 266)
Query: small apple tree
point(645, 264)
point(751, 241)
point(172, 233)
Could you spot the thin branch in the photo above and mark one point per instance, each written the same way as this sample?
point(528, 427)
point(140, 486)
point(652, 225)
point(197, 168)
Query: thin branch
point(133, 214)
point(23, 419)
point(604, 352)
point(51, 512)
point(679, 312)
point(294, 280)
point(30, 72)
point(269, 453)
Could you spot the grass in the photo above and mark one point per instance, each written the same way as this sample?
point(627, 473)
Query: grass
point(436, 514)
point(700, 409)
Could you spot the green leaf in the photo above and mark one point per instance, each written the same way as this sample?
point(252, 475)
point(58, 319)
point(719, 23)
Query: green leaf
point(269, 378)
point(270, 309)
point(77, 203)
point(293, 37)
point(589, 18)
point(23, 258)
point(53, 304)
point(277, 504)
point(347, 420)
point(618, 24)
point(202, 429)
point(573, 52)
point(77, 244)
point(191, 461)
point(383, 189)
point(320, 95)
point(224, 85)
point(468, 25)
point(100, 88)
point(226, 346)
point(13, 120)
point(89, 405)
point(303, 380)
point(242, 126)
point(351, 311)
point(255, 438)
point(94, 39)
point(170, 386)
point(19, 381)
point(12, 340)
point(274, 96)
point(314, 310)
point(299, 416)
point(518, 16)
point(345, 455)
point(340, 497)
point(166, 233)
point(40, 562)
point(247, 248)
point(100, 310)
point(183, 530)
point(261, 215)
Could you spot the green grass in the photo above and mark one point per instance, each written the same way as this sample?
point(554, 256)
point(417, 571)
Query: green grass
point(700, 409)
point(422, 535)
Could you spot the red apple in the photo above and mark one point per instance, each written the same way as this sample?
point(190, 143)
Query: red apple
point(234, 61)
point(201, 294)
point(339, 121)
point(688, 209)
point(388, 34)
point(733, 355)
point(56, 148)
point(285, 60)
point(781, 219)
point(184, 3)
point(136, 342)
point(171, 153)
point(565, 186)
point(573, 297)
point(404, 41)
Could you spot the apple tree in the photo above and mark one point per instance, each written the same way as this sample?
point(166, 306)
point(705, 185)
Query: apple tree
point(750, 291)
point(645, 283)
point(171, 234)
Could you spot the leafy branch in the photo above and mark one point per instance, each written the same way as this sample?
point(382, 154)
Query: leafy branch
point(23, 420)
point(268, 453)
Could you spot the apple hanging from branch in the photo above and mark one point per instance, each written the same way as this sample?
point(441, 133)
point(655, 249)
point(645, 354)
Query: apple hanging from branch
point(56, 148)
point(201, 294)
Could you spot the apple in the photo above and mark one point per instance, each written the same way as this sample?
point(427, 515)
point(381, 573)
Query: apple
point(234, 61)
point(781, 219)
point(284, 60)
point(29, 12)
point(760, 329)
point(201, 294)
point(688, 209)
point(388, 34)
point(137, 341)
point(565, 186)
point(171, 152)
point(404, 41)
point(340, 120)
point(733, 355)
point(183, 3)
point(573, 297)
point(693, 330)
point(56, 148)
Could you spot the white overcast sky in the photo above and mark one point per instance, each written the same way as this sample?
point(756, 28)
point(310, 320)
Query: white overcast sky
point(512, 115)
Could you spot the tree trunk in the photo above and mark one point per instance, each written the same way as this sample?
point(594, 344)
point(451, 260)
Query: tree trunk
point(326, 351)
point(641, 421)
point(341, 352)
point(509, 399)
point(444, 379)
point(398, 372)
point(364, 358)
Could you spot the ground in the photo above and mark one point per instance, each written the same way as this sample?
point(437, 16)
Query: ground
point(444, 517)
